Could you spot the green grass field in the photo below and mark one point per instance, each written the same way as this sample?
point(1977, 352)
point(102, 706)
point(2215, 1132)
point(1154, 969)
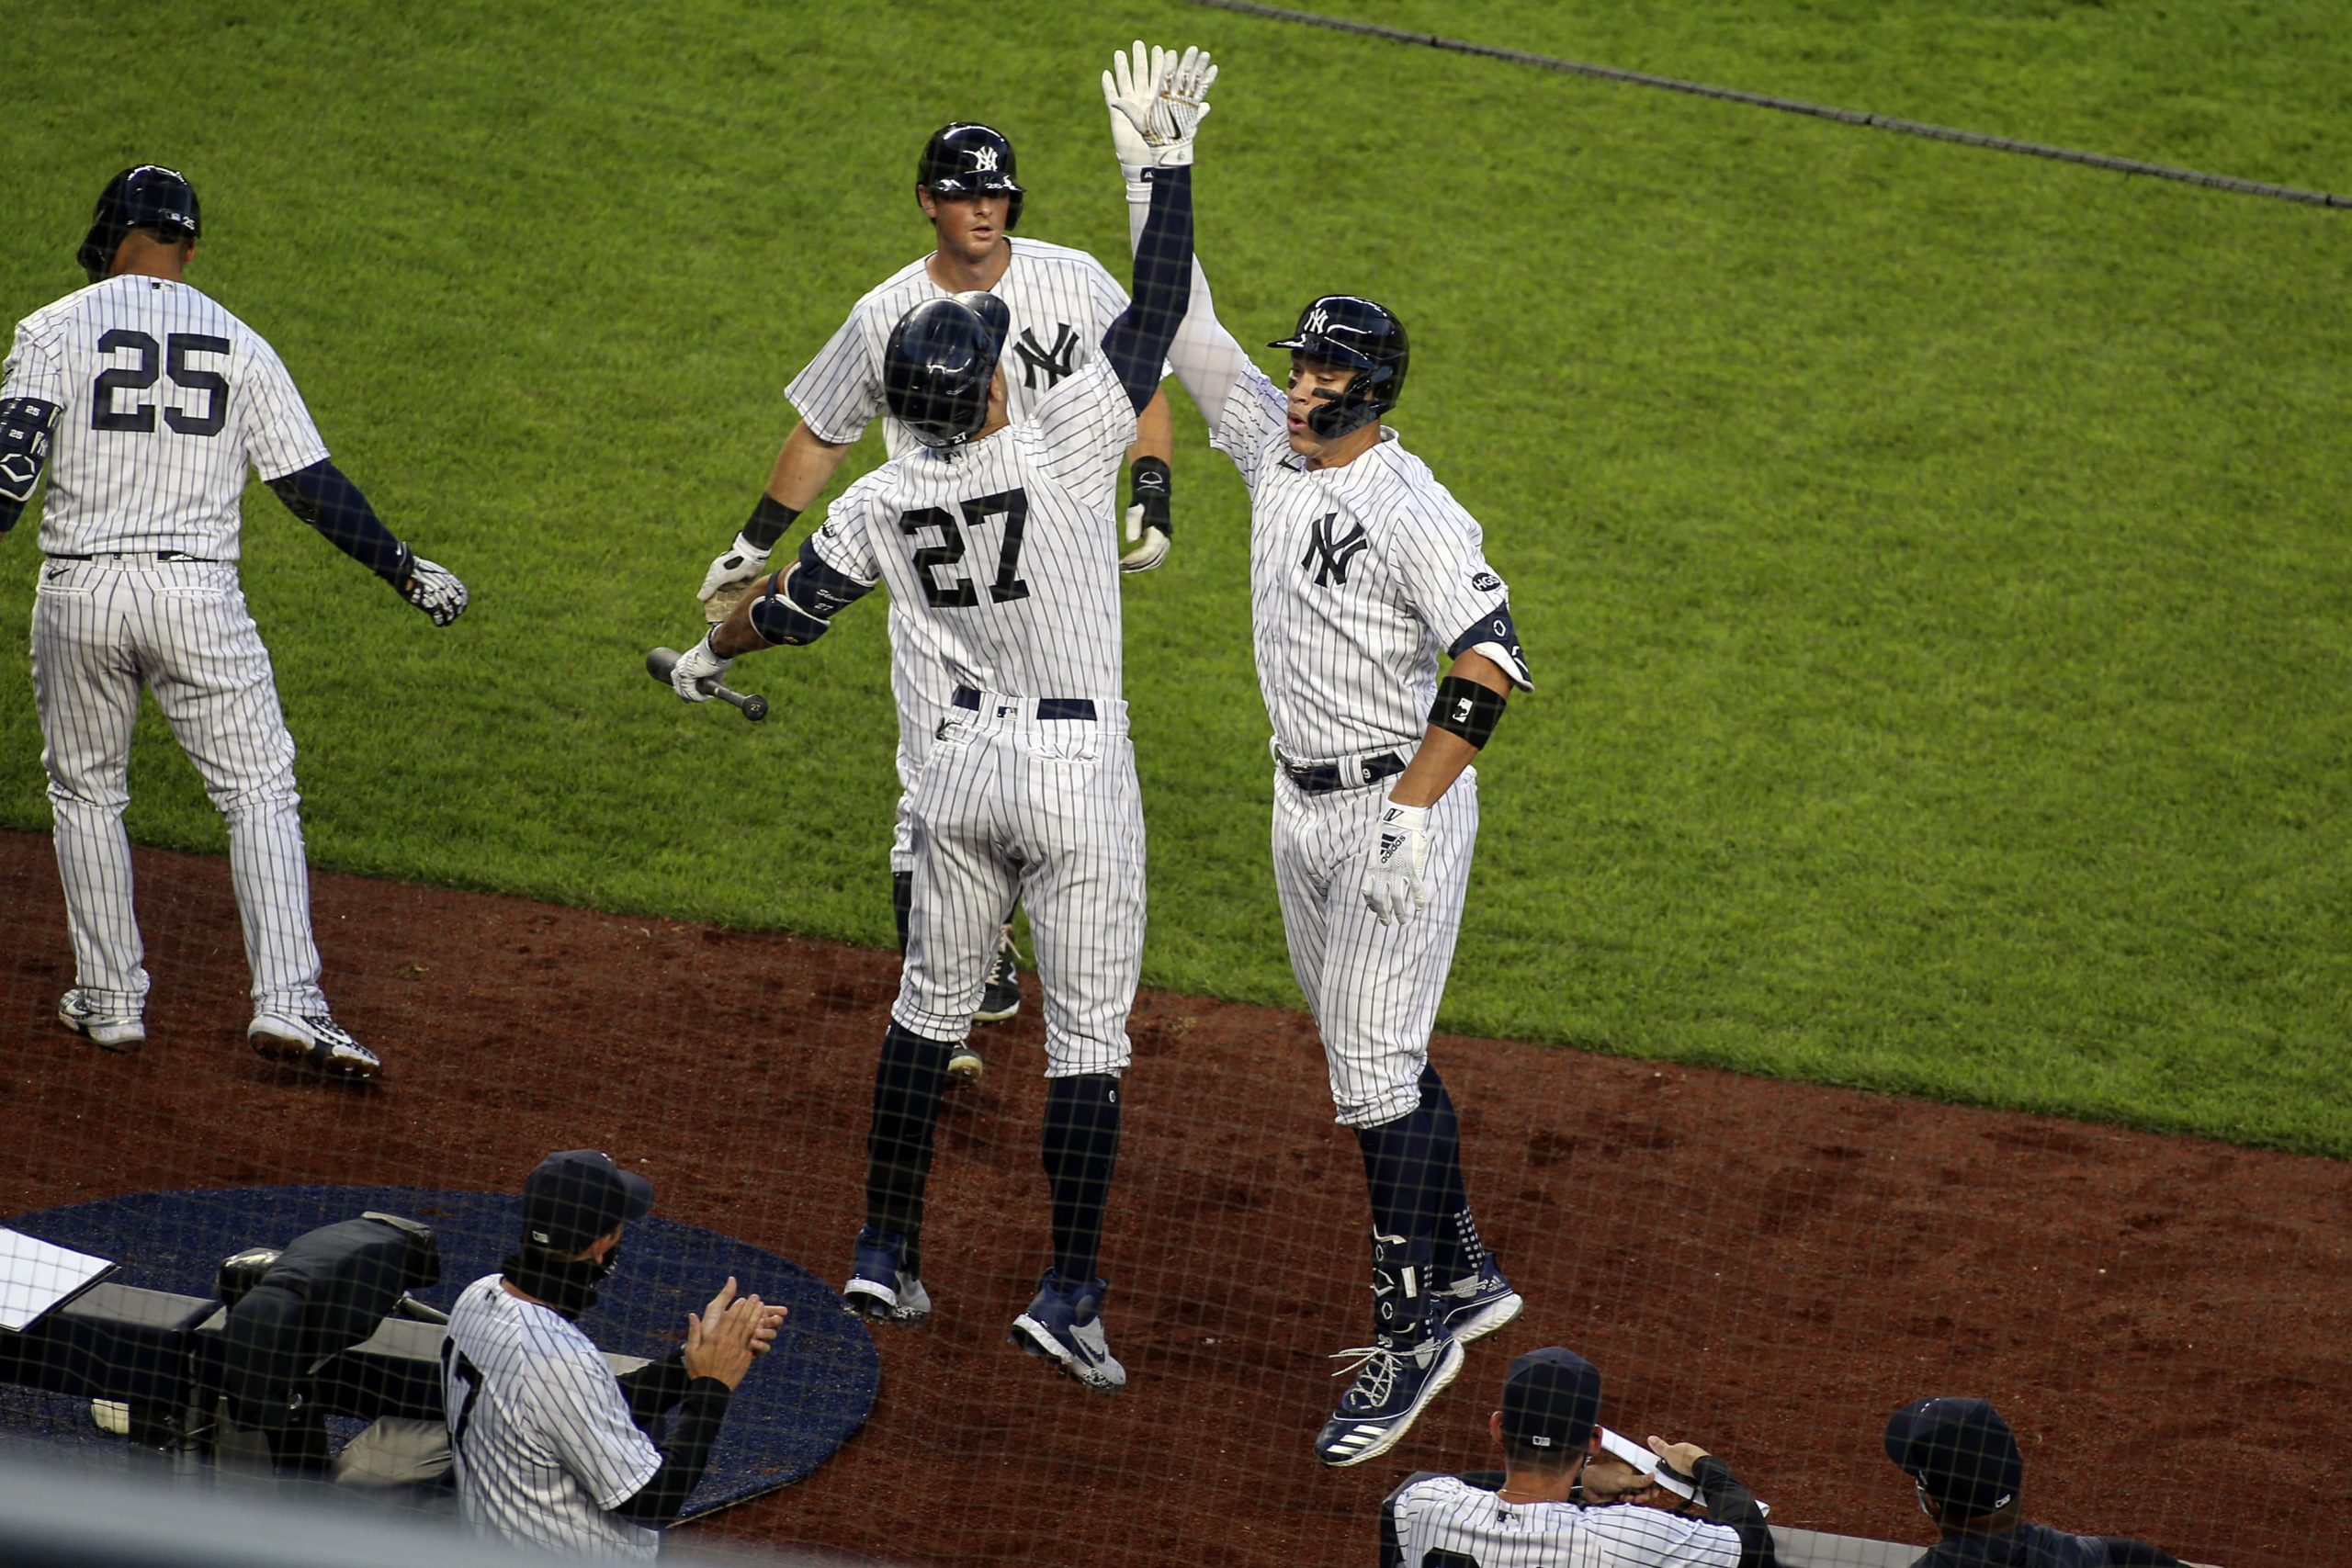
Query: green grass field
point(1933, 561)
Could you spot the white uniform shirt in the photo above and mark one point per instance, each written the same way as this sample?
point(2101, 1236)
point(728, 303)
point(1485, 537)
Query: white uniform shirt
point(541, 1429)
point(1360, 579)
point(1446, 1514)
point(999, 544)
point(166, 398)
point(1060, 300)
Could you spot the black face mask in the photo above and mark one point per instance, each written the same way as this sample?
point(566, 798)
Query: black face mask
point(567, 1284)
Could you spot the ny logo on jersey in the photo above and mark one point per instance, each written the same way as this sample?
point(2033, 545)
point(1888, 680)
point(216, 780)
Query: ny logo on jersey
point(1317, 319)
point(1055, 362)
point(984, 160)
point(1334, 554)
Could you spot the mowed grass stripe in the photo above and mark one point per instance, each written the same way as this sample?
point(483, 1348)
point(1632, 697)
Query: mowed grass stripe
point(1939, 626)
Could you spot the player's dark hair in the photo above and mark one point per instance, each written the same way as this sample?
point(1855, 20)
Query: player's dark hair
point(1522, 1455)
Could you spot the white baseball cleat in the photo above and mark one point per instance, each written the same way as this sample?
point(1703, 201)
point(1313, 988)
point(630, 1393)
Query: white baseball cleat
point(311, 1040)
point(80, 1012)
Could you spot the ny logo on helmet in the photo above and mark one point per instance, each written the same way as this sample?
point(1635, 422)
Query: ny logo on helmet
point(1317, 319)
point(984, 160)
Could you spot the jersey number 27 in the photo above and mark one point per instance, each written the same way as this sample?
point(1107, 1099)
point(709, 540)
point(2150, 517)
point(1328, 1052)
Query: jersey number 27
point(1012, 505)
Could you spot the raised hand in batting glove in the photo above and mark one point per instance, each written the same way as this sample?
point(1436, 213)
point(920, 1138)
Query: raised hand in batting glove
point(1148, 527)
point(1395, 861)
point(1156, 105)
point(434, 589)
point(696, 665)
point(733, 571)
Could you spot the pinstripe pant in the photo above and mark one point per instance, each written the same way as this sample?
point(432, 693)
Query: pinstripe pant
point(1374, 988)
point(1051, 808)
point(101, 629)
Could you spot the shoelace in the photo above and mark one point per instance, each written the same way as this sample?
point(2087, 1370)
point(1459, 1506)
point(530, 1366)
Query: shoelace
point(1375, 1367)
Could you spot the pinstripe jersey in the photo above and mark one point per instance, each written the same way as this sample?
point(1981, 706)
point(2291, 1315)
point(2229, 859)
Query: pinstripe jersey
point(541, 1429)
point(166, 398)
point(1359, 576)
point(1060, 300)
point(1446, 1514)
point(999, 544)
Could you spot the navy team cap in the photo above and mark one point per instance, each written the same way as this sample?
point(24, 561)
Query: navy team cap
point(1960, 1452)
point(576, 1196)
point(1552, 1400)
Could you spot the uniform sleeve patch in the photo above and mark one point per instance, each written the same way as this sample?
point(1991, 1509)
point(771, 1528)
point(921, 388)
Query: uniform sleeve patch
point(1485, 582)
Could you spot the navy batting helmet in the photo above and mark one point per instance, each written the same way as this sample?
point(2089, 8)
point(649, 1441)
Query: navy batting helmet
point(1342, 329)
point(940, 357)
point(965, 159)
point(149, 197)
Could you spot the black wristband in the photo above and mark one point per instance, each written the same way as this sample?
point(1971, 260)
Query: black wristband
point(770, 518)
point(1467, 709)
point(1148, 476)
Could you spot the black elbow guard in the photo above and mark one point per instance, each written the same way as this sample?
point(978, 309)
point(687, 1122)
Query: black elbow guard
point(1467, 709)
point(801, 602)
point(25, 424)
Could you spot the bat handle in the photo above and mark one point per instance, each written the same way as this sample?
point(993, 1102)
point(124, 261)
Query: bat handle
point(660, 661)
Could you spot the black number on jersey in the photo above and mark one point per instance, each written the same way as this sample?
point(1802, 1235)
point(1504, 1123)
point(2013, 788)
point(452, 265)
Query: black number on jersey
point(1439, 1557)
point(140, 416)
point(467, 1372)
point(1012, 505)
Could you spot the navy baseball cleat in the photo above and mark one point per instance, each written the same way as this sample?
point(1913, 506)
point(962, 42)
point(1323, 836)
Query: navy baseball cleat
point(1064, 1324)
point(1477, 1304)
point(1003, 998)
point(311, 1040)
point(1394, 1384)
point(880, 1285)
point(85, 1016)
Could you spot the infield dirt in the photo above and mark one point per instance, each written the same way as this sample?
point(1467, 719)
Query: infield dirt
point(1763, 1267)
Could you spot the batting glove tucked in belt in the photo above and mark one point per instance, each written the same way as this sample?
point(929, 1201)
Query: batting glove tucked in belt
point(1394, 860)
point(729, 574)
point(694, 666)
point(434, 589)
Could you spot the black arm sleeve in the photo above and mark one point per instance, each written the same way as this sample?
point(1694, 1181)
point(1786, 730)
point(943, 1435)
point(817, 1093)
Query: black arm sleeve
point(682, 1457)
point(321, 496)
point(653, 1388)
point(1729, 1503)
point(1137, 344)
point(2122, 1553)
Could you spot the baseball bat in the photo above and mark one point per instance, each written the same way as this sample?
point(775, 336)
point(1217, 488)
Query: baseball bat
point(661, 660)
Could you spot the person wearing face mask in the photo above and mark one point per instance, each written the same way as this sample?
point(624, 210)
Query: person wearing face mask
point(551, 1449)
point(1969, 1474)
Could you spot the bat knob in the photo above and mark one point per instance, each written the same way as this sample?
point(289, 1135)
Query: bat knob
point(755, 708)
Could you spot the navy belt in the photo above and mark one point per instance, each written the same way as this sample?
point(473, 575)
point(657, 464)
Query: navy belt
point(1082, 708)
point(139, 555)
point(1321, 778)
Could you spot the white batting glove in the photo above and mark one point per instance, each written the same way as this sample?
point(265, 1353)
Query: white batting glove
point(434, 589)
point(1184, 86)
point(1146, 544)
point(735, 566)
point(696, 665)
point(1162, 104)
point(1131, 90)
point(1395, 862)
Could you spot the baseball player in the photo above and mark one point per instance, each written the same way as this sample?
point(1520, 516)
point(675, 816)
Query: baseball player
point(1365, 578)
point(1965, 1466)
point(990, 530)
point(146, 401)
point(1550, 1434)
point(1060, 300)
point(549, 1447)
